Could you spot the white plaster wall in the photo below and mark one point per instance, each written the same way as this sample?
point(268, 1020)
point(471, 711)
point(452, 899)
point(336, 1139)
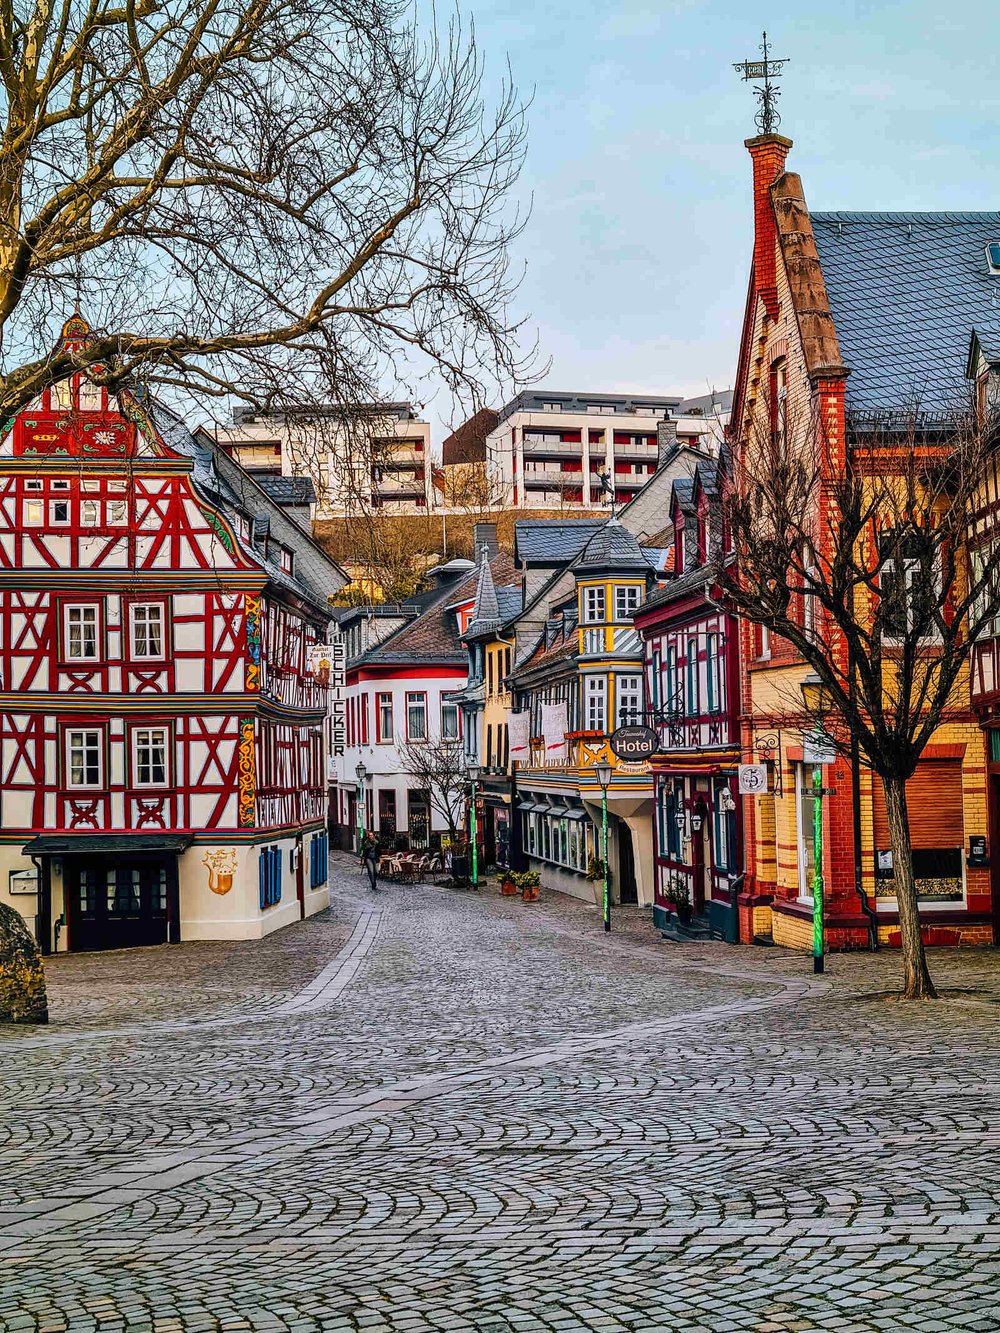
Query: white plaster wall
point(236, 915)
point(384, 762)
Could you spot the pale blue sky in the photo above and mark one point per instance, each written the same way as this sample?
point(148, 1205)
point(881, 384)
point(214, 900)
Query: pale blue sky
point(638, 246)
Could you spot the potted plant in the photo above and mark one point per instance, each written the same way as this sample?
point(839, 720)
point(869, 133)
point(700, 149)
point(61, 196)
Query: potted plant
point(595, 874)
point(507, 885)
point(529, 882)
point(677, 897)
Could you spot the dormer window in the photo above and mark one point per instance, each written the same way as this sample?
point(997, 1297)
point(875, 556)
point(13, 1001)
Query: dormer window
point(679, 548)
point(993, 256)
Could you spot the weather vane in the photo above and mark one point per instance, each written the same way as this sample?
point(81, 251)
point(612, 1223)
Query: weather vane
point(761, 72)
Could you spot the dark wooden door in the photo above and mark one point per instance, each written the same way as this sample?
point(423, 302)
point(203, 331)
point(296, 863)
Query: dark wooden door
point(121, 904)
point(627, 892)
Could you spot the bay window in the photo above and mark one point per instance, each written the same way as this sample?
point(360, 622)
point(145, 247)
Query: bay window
point(595, 703)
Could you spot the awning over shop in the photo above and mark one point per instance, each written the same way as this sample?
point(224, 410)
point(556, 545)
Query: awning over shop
point(576, 813)
point(105, 844)
point(560, 811)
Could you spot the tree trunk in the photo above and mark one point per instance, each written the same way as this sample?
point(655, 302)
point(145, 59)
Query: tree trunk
point(917, 984)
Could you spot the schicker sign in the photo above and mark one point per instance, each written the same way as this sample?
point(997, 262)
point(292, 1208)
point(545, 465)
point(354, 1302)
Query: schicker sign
point(634, 743)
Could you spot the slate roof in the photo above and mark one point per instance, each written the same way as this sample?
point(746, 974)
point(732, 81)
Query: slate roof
point(486, 617)
point(613, 547)
point(287, 491)
point(906, 290)
point(552, 541)
point(237, 491)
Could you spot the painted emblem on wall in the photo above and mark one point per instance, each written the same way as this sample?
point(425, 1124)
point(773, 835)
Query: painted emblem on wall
point(221, 868)
point(246, 774)
point(252, 606)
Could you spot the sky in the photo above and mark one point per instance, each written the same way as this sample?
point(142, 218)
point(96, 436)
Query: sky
point(637, 251)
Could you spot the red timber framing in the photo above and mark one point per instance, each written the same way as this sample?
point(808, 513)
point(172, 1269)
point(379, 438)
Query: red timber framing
point(153, 676)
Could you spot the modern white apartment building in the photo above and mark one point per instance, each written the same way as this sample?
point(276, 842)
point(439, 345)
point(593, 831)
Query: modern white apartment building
point(379, 459)
point(570, 451)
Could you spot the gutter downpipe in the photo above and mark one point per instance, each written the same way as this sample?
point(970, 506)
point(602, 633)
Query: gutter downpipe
point(866, 906)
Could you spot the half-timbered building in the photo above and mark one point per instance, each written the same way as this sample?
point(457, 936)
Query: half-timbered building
point(692, 685)
point(161, 741)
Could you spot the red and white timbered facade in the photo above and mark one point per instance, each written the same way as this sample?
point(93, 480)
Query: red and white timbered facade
point(161, 762)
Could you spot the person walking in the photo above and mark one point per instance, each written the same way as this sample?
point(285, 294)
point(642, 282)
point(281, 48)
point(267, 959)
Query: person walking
point(369, 858)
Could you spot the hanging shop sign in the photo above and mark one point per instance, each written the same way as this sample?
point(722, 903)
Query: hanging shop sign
point(752, 779)
point(634, 742)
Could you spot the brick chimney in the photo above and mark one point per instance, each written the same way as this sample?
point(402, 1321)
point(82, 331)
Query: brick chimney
point(768, 152)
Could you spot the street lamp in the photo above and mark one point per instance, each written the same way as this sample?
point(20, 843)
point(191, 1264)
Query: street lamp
point(474, 771)
point(603, 771)
point(816, 698)
point(361, 773)
point(696, 820)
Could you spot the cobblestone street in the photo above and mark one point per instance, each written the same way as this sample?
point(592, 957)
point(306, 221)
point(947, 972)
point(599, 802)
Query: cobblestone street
point(435, 1110)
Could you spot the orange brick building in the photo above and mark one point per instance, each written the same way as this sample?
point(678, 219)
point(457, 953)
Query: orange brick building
point(853, 317)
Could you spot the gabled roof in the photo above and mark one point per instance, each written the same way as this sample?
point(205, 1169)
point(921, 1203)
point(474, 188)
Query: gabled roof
point(613, 547)
point(984, 344)
point(682, 494)
point(552, 541)
point(906, 290)
point(433, 636)
point(237, 492)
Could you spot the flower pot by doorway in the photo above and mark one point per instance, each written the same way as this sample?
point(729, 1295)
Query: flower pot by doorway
point(528, 883)
point(508, 888)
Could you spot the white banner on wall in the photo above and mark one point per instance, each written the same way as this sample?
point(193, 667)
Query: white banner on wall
point(554, 725)
point(519, 732)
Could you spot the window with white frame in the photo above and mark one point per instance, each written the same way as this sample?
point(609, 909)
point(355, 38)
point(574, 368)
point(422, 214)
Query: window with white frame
point(84, 757)
point(595, 702)
point(149, 756)
point(627, 599)
point(59, 512)
point(629, 699)
point(90, 513)
point(383, 718)
point(34, 513)
point(593, 606)
point(81, 633)
point(593, 641)
point(116, 513)
point(147, 629)
point(449, 721)
point(416, 716)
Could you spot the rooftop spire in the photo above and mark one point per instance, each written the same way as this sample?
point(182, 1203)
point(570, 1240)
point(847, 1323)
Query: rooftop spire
point(761, 72)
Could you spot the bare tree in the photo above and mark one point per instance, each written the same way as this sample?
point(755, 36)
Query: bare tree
point(879, 575)
point(283, 200)
point(438, 768)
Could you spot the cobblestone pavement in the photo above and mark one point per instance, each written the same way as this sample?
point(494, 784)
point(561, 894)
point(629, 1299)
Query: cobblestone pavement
point(433, 1110)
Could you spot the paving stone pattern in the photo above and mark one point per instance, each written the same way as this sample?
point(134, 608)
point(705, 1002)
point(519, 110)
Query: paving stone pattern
point(430, 1110)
